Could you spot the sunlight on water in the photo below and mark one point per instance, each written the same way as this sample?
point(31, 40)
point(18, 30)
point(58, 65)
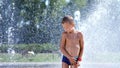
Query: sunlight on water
point(101, 30)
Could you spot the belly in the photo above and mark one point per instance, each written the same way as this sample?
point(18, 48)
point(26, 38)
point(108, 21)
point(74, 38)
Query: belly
point(73, 50)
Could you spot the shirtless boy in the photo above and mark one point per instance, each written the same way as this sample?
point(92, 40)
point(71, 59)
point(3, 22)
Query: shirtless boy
point(71, 44)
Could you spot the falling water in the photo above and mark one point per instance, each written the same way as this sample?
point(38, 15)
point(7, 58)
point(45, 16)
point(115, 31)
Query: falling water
point(8, 13)
point(101, 30)
point(77, 20)
point(10, 50)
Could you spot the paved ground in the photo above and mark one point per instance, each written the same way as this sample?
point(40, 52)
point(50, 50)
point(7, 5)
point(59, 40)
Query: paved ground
point(56, 65)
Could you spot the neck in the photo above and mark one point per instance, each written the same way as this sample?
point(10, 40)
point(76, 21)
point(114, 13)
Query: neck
point(72, 31)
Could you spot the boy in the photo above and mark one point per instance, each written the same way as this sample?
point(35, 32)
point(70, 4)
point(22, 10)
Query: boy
point(71, 44)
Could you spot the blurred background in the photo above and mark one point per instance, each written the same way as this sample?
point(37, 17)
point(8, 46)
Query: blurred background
point(30, 30)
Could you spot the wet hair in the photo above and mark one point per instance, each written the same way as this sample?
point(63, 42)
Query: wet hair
point(68, 19)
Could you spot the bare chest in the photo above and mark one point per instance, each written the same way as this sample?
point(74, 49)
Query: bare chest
point(72, 38)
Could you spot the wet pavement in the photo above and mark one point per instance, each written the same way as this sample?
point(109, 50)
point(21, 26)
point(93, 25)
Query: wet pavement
point(55, 65)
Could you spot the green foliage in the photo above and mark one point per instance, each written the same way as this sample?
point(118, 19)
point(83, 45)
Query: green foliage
point(3, 48)
point(31, 13)
point(56, 7)
point(55, 57)
point(41, 57)
point(81, 3)
point(31, 10)
point(37, 48)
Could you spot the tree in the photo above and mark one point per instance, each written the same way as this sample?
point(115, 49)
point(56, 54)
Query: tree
point(36, 22)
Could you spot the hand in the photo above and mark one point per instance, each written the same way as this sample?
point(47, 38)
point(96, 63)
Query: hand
point(78, 63)
point(72, 60)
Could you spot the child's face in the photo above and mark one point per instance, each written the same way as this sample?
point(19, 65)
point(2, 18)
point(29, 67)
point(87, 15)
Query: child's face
point(68, 27)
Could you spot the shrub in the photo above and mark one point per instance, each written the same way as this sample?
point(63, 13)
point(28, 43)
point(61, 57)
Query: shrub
point(37, 48)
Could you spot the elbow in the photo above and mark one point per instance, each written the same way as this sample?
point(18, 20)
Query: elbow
point(81, 48)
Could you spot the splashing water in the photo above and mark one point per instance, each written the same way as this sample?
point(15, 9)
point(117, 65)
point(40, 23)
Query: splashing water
point(77, 20)
point(9, 15)
point(11, 42)
point(101, 30)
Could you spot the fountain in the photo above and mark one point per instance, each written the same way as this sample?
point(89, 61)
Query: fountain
point(77, 20)
point(7, 15)
point(101, 35)
point(100, 29)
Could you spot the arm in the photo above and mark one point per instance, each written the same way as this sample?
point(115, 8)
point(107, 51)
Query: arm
point(81, 46)
point(62, 46)
point(81, 49)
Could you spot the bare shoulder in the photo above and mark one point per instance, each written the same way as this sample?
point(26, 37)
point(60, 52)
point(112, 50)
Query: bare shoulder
point(64, 34)
point(79, 33)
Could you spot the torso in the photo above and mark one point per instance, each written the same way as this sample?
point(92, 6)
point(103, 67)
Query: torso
point(73, 43)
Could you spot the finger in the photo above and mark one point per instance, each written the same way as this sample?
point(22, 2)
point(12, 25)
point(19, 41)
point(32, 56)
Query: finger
point(75, 63)
point(78, 64)
point(72, 63)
